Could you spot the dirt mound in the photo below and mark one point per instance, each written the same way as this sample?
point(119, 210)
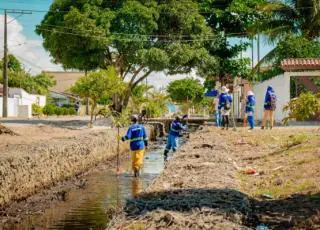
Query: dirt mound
point(5, 130)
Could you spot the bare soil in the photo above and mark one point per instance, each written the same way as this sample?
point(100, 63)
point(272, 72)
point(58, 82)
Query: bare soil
point(234, 180)
point(30, 134)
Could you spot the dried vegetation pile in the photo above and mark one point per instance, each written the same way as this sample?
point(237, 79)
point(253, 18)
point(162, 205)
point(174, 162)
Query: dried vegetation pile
point(234, 180)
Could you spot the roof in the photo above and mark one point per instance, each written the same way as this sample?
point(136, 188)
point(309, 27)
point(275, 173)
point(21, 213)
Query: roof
point(64, 80)
point(300, 64)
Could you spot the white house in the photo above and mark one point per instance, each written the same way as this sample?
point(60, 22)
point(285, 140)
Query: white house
point(281, 86)
point(300, 69)
point(20, 102)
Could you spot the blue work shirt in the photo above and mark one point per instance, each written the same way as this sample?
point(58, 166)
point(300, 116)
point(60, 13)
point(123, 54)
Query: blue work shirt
point(137, 136)
point(224, 99)
point(176, 127)
point(250, 104)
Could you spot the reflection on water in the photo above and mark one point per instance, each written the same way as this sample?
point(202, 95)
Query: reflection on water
point(87, 208)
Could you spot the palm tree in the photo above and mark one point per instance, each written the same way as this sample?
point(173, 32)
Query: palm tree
point(285, 17)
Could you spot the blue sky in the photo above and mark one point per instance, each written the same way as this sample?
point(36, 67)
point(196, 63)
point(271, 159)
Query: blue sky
point(28, 21)
point(27, 45)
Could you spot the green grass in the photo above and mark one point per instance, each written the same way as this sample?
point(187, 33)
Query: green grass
point(137, 226)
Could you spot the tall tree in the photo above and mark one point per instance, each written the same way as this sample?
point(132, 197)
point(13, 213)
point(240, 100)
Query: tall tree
point(137, 37)
point(98, 85)
point(285, 18)
point(186, 90)
point(231, 19)
point(18, 77)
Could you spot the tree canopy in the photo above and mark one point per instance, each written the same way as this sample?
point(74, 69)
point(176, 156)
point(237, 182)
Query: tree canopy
point(185, 90)
point(291, 47)
point(138, 37)
point(292, 22)
point(98, 85)
point(19, 78)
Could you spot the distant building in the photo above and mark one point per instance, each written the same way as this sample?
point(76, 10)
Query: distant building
point(20, 102)
point(64, 80)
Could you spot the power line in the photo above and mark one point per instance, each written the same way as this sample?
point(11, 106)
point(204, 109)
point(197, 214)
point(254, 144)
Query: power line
point(141, 35)
point(125, 39)
point(189, 10)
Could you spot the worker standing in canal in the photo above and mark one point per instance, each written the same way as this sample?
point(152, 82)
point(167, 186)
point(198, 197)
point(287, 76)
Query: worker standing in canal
point(137, 136)
point(175, 131)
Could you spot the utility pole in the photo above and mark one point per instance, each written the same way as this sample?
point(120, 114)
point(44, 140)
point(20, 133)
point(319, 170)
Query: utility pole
point(5, 68)
point(258, 55)
point(5, 57)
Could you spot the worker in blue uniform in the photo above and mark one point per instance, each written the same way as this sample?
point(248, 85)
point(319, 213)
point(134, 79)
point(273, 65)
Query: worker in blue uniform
point(269, 107)
point(225, 101)
point(250, 109)
point(173, 138)
point(137, 136)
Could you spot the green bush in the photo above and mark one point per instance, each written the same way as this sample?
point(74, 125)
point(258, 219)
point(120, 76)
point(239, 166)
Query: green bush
point(58, 111)
point(302, 108)
point(36, 109)
point(72, 111)
point(49, 109)
point(65, 111)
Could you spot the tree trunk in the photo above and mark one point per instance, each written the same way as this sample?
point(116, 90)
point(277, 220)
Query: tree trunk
point(93, 108)
point(126, 99)
point(87, 99)
point(117, 103)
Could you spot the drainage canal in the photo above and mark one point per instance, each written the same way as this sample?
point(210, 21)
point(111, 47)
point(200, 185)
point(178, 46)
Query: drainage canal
point(87, 208)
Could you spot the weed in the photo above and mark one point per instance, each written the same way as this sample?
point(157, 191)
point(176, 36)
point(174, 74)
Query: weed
point(294, 140)
point(305, 186)
point(137, 226)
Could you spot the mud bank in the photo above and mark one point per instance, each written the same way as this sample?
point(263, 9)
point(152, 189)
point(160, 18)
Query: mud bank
point(205, 184)
point(29, 167)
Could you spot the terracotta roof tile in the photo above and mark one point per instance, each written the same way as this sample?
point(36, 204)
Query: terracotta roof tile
point(301, 64)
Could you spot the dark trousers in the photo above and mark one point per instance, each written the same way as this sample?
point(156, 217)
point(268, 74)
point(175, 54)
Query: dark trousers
point(225, 121)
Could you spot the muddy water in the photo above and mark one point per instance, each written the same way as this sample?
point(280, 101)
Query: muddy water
point(87, 208)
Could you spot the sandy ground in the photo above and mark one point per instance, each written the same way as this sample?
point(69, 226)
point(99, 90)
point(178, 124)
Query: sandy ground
point(31, 134)
point(234, 180)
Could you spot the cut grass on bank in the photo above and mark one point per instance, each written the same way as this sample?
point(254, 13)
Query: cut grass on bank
point(291, 169)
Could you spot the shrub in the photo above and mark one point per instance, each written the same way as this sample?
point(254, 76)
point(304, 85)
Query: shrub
point(72, 111)
point(49, 109)
point(65, 111)
point(305, 107)
point(58, 111)
point(36, 109)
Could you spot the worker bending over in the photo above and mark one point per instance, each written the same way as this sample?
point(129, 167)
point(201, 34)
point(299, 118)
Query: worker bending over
point(137, 136)
point(175, 131)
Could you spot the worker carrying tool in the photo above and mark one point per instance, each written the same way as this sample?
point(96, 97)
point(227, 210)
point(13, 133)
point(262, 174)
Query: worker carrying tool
point(137, 136)
point(176, 128)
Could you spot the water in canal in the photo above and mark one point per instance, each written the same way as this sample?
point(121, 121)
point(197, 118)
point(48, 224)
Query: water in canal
point(87, 208)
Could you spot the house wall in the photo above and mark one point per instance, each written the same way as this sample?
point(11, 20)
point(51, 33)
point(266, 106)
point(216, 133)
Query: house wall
point(20, 103)
point(13, 106)
point(26, 98)
point(281, 85)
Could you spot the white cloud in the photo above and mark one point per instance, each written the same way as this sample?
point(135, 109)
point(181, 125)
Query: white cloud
point(29, 52)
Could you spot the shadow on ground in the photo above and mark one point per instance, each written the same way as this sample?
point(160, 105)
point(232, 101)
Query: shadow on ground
point(297, 211)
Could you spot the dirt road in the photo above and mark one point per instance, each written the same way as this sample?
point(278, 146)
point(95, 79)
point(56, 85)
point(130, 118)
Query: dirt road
point(234, 180)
